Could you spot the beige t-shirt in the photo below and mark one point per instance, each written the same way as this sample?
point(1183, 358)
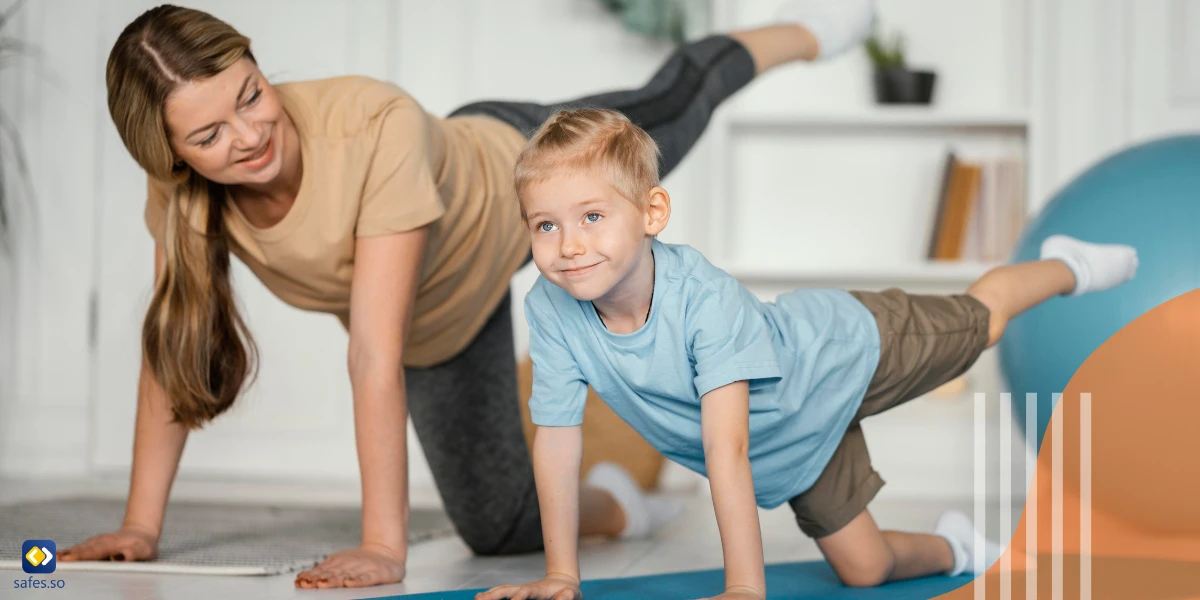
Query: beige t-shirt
point(376, 163)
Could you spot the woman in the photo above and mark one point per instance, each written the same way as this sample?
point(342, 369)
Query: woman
point(344, 196)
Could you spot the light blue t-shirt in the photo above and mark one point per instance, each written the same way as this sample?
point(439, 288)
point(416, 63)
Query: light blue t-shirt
point(808, 357)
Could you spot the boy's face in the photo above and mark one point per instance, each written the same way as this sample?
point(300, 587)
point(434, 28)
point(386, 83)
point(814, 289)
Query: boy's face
point(586, 237)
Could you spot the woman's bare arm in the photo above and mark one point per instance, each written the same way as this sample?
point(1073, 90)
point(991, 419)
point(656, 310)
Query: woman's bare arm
point(386, 275)
point(157, 446)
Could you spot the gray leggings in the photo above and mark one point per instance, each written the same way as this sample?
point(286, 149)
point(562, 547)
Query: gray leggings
point(465, 410)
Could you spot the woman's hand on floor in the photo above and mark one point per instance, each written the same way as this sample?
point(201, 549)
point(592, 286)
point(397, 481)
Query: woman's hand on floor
point(369, 564)
point(126, 544)
point(553, 587)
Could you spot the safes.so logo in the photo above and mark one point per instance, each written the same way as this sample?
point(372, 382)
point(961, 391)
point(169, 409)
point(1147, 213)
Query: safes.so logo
point(39, 556)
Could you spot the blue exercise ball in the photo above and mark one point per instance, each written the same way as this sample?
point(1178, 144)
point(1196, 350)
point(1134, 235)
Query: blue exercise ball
point(1147, 196)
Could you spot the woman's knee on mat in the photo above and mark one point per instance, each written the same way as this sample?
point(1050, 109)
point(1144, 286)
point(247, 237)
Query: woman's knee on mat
point(491, 545)
point(498, 535)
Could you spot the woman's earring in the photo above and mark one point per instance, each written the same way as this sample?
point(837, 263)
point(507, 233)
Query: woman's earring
point(179, 171)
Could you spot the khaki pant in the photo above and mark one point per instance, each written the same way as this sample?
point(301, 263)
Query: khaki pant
point(925, 341)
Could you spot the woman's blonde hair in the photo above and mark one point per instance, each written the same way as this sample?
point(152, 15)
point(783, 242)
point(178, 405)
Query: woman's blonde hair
point(596, 139)
point(193, 339)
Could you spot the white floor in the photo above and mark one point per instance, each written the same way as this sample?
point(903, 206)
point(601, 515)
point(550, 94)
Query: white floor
point(690, 543)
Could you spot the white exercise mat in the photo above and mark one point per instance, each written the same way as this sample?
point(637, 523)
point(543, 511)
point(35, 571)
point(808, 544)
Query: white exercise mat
point(203, 538)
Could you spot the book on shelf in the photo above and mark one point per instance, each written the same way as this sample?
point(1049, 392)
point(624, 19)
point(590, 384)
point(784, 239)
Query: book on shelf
point(980, 209)
point(943, 197)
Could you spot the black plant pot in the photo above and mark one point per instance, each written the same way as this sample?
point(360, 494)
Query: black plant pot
point(902, 86)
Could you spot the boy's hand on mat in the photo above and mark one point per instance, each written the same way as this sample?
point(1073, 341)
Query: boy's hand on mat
point(553, 587)
point(740, 592)
point(127, 544)
point(369, 564)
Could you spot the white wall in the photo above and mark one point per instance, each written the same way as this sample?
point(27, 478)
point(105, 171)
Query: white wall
point(296, 422)
point(57, 102)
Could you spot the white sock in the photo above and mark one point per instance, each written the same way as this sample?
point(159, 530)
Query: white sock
point(958, 530)
point(837, 24)
point(644, 514)
point(1096, 266)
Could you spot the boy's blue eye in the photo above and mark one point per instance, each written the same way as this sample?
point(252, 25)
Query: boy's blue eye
point(546, 227)
point(592, 217)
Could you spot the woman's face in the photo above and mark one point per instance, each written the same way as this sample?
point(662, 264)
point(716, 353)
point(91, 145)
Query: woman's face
point(230, 128)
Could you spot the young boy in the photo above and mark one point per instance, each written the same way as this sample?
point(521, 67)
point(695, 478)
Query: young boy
point(764, 398)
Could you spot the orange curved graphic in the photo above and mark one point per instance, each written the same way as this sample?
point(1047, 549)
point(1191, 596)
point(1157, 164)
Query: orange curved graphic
point(1116, 490)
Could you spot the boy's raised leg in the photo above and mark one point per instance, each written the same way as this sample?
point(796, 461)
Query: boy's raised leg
point(1013, 289)
point(1068, 266)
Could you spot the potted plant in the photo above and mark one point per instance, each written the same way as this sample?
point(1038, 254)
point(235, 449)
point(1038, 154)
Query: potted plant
point(895, 83)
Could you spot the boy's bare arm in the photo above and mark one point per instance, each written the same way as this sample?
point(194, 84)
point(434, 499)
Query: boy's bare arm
point(557, 453)
point(725, 421)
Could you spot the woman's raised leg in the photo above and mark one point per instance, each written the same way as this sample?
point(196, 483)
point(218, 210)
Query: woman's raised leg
point(675, 106)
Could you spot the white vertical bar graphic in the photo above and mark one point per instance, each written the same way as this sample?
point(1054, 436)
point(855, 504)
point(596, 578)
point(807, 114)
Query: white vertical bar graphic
point(1031, 501)
point(1056, 499)
point(980, 515)
point(1006, 459)
point(1085, 496)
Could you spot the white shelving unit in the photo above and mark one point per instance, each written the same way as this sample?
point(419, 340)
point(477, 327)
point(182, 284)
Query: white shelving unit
point(925, 124)
point(880, 152)
point(951, 273)
point(899, 117)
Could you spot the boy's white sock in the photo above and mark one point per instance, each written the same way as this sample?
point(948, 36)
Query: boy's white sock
point(837, 24)
point(644, 514)
point(1096, 266)
point(958, 531)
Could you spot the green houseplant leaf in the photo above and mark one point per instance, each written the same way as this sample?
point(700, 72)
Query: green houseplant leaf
point(886, 53)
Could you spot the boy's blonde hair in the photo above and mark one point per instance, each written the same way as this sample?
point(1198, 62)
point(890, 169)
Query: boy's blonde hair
point(591, 139)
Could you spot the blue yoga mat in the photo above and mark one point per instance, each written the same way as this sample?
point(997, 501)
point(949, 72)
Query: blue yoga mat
point(792, 581)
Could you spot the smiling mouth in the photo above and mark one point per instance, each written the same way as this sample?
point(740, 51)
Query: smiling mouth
point(261, 151)
point(579, 271)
